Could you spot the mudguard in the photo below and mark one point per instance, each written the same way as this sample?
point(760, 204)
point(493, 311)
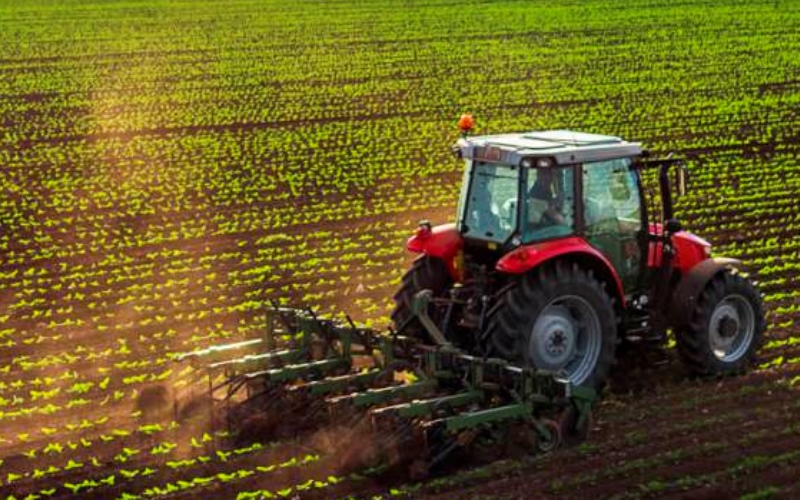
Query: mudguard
point(443, 242)
point(526, 257)
point(690, 250)
point(689, 288)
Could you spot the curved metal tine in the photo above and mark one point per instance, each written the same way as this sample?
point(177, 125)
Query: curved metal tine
point(265, 392)
point(324, 331)
point(350, 321)
point(195, 376)
point(311, 313)
point(399, 432)
point(360, 336)
point(281, 315)
point(236, 382)
point(229, 380)
point(445, 450)
point(404, 325)
point(234, 388)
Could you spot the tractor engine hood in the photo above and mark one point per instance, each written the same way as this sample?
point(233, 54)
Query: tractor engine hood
point(690, 249)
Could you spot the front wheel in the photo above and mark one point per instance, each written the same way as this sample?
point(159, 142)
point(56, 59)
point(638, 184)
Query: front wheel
point(426, 273)
point(559, 318)
point(726, 327)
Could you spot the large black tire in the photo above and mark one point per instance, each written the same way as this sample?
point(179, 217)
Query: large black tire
point(559, 318)
point(725, 329)
point(426, 273)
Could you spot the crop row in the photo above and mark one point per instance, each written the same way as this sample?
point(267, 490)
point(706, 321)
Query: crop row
point(167, 167)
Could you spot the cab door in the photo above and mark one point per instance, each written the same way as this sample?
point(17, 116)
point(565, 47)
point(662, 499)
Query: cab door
point(612, 218)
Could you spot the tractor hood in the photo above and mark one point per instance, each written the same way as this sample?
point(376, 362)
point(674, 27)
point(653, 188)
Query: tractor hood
point(690, 249)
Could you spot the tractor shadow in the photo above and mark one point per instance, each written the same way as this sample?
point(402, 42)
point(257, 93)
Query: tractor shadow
point(643, 368)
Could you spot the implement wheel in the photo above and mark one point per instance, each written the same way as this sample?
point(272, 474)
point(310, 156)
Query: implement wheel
point(552, 439)
point(426, 273)
point(572, 432)
point(726, 327)
point(558, 318)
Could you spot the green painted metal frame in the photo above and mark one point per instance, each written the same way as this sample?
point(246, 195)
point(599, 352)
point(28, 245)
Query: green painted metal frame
point(473, 419)
point(424, 407)
point(479, 392)
point(371, 397)
point(336, 384)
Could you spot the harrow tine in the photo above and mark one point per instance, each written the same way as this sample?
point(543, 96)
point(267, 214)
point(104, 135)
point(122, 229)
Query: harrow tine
point(282, 315)
point(452, 398)
point(234, 383)
point(444, 451)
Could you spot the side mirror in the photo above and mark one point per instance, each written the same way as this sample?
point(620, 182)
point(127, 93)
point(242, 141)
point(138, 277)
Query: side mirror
point(681, 180)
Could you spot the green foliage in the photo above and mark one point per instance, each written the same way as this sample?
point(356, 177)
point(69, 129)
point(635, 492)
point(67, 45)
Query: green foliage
point(766, 493)
point(167, 166)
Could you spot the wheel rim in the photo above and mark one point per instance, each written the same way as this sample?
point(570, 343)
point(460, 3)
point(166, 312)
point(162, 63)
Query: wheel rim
point(731, 328)
point(567, 338)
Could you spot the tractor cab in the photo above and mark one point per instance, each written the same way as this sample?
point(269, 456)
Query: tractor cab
point(521, 189)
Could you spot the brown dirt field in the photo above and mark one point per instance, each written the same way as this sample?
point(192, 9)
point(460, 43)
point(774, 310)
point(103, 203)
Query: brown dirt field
point(656, 433)
point(138, 220)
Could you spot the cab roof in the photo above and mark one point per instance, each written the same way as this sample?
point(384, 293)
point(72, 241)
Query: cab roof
point(564, 146)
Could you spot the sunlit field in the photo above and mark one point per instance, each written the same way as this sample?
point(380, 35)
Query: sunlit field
point(166, 167)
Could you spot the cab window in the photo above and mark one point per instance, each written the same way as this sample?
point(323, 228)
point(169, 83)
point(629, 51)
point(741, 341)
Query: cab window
point(550, 203)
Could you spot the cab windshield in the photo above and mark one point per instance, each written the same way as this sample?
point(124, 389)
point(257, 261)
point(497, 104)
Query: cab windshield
point(489, 204)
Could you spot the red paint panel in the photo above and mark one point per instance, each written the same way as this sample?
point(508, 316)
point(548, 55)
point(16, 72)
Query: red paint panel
point(689, 250)
point(442, 241)
point(527, 257)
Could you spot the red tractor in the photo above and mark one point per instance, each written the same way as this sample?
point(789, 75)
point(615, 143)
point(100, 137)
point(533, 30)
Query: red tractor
point(557, 256)
point(508, 323)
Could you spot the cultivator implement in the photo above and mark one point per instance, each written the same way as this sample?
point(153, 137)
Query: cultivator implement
point(417, 402)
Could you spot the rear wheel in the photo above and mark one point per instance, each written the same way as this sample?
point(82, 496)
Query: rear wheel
point(559, 318)
point(725, 329)
point(426, 273)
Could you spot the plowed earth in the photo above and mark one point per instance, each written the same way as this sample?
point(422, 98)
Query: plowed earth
point(166, 167)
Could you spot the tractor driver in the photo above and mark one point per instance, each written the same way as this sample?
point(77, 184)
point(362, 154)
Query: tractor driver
point(546, 199)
